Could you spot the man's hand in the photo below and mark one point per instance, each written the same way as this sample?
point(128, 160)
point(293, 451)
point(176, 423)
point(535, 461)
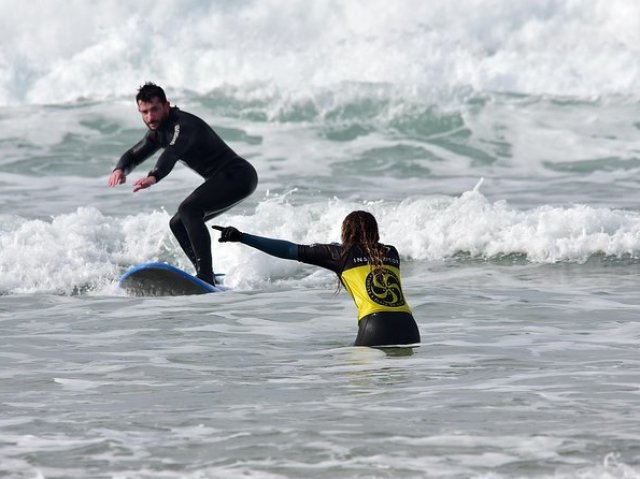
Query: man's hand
point(143, 183)
point(228, 233)
point(117, 178)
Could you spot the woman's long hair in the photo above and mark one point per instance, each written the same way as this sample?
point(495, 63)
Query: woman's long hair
point(360, 228)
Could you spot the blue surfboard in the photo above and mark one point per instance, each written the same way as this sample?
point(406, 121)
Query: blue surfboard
point(162, 279)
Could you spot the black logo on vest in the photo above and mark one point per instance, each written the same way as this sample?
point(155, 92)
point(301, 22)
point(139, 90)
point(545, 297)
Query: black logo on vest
point(383, 287)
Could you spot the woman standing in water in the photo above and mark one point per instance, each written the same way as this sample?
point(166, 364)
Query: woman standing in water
point(368, 269)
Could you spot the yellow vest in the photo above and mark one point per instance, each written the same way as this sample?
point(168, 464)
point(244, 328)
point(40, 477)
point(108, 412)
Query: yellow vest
point(375, 293)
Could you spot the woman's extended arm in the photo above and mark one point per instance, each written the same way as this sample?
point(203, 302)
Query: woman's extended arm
point(275, 247)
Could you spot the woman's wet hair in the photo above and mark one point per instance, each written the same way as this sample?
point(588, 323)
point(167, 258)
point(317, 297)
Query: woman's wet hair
point(361, 228)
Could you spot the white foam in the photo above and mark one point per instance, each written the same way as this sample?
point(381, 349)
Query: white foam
point(78, 251)
point(87, 251)
point(77, 384)
point(441, 228)
point(57, 52)
point(435, 228)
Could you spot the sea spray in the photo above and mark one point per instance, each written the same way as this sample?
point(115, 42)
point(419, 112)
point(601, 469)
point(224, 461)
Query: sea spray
point(576, 49)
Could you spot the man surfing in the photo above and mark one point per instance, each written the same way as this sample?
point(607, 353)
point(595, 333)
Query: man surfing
point(228, 178)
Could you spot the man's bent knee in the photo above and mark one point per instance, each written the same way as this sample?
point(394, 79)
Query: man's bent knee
point(175, 223)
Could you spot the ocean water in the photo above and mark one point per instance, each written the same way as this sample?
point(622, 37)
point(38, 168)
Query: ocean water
point(497, 143)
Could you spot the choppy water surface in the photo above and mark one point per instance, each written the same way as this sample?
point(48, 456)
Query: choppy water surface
point(526, 380)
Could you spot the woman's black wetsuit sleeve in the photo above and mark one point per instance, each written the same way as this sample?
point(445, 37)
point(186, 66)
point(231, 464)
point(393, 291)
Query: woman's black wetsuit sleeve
point(278, 248)
point(324, 255)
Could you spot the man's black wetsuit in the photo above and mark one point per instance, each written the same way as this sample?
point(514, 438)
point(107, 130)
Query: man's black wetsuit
point(384, 317)
point(228, 179)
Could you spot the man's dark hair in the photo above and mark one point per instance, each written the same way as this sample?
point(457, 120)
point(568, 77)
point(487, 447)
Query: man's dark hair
point(149, 91)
